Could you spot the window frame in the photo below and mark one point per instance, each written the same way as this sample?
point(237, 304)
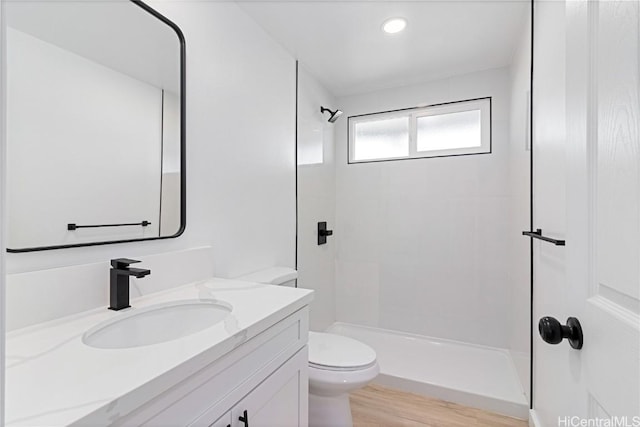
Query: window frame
point(413, 113)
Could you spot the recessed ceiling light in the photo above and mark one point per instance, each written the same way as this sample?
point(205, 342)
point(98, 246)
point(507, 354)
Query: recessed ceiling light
point(394, 25)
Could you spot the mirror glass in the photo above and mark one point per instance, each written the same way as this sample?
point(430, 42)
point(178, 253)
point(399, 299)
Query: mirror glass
point(94, 124)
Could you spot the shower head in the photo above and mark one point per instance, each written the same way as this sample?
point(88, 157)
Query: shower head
point(334, 114)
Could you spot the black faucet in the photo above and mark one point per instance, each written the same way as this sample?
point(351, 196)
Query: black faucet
point(119, 286)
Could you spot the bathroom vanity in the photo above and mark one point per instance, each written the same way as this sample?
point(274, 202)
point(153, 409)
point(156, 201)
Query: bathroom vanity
point(248, 369)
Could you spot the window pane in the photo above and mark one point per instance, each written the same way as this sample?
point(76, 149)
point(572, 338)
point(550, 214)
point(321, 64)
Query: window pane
point(381, 139)
point(449, 131)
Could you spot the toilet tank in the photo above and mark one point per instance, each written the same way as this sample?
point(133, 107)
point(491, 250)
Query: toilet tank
point(283, 276)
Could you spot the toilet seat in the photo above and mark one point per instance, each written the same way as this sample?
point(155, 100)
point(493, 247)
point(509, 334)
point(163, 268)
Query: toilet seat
point(333, 352)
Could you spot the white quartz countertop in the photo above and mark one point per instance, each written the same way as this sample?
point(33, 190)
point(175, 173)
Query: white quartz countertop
point(54, 379)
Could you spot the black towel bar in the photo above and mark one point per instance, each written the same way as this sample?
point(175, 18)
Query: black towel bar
point(538, 235)
point(72, 227)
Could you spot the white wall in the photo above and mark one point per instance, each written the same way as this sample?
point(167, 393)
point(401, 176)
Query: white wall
point(170, 193)
point(84, 147)
point(316, 197)
point(519, 269)
point(240, 149)
point(3, 205)
point(43, 295)
point(170, 209)
point(421, 244)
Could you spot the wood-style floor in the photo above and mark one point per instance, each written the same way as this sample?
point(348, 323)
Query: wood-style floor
point(376, 406)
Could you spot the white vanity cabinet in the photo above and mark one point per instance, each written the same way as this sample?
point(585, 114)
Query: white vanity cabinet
point(275, 402)
point(223, 421)
point(266, 376)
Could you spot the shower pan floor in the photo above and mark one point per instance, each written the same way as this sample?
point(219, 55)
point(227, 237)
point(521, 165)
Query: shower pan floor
point(468, 374)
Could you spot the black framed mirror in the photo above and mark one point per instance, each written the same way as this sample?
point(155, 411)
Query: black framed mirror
point(95, 124)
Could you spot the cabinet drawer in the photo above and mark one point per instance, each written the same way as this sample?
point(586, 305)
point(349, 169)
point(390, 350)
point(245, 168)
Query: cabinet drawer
point(225, 379)
point(223, 421)
point(280, 400)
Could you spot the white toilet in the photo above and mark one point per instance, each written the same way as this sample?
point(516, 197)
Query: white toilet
point(338, 365)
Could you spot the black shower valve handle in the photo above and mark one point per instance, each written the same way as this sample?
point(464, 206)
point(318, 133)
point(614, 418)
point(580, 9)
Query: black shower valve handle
point(323, 233)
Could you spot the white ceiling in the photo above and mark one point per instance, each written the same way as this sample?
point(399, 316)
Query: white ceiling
point(115, 33)
point(343, 45)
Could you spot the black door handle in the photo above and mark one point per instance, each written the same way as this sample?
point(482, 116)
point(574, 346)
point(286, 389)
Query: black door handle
point(553, 332)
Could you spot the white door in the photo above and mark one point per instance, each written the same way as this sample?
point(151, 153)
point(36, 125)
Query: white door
point(601, 260)
point(603, 132)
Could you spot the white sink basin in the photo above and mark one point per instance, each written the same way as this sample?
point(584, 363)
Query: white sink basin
point(157, 323)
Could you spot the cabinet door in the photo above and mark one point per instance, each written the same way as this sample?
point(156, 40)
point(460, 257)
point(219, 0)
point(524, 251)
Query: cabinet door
point(281, 400)
point(223, 421)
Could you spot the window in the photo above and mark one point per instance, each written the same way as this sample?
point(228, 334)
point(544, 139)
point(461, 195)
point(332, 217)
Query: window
point(452, 129)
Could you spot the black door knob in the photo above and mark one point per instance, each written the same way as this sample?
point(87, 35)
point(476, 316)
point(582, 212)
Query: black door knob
point(553, 332)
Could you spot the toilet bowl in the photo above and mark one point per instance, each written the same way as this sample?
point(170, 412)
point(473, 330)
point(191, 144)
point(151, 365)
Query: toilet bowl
point(338, 365)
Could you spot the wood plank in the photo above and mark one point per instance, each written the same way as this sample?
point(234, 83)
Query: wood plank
point(376, 406)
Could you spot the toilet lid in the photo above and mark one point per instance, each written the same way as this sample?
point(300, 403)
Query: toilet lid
point(336, 352)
